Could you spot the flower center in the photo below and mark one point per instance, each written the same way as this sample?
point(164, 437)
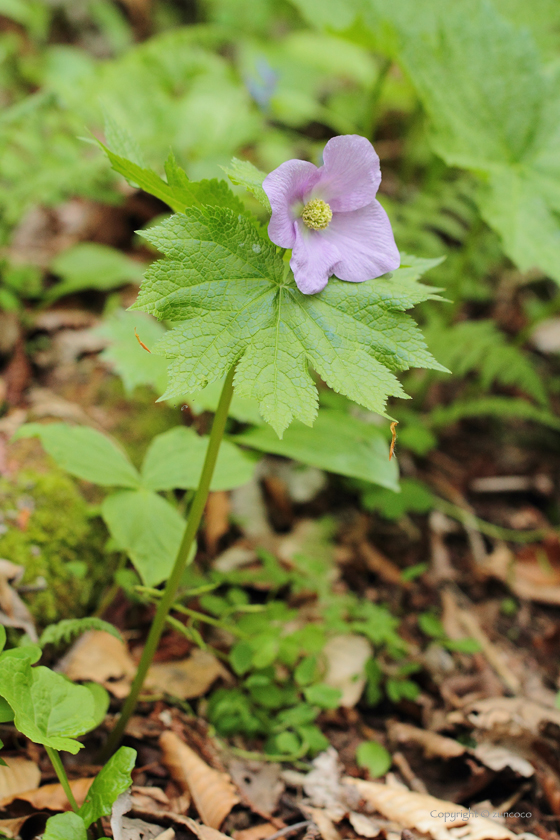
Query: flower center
point(316, 214)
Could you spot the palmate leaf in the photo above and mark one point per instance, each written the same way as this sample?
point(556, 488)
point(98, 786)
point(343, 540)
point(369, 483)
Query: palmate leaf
point(236, 301)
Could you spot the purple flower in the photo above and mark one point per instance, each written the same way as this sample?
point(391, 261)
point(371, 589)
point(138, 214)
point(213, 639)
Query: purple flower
point(329, 215)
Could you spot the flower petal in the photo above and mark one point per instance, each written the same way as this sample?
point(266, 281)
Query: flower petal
point(312, 259)
point(365, 240)
point(285, 188)
point(350, 175)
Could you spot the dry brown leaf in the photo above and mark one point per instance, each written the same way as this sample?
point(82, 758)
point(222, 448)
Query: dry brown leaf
point(382, 566)
point(141, 830)
point(102, 658)
point(51, 797)
point(322, 821)
point(421, 812)
point(525, 573)
point(362, 825)
point(188, 678)
point(213, 792)
point(11, 828)
point(512, 717)
point(259, 783)
point(13, 611)
point(346, 661)
point(256, 832)
point(432, 743)
point(497, 758)
point(20, 775)
point(216, 519)
point(148, 798)
point(204, 832)
point(546, 336)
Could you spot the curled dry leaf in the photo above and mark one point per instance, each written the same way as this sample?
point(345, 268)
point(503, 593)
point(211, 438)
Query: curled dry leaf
point(346, 661)
point(13, 611)
point(213, 792)
point(421, 812)
point(51, 797)
point(19, 776)
point(102, 658)
point(188, 678)
point(432, 743)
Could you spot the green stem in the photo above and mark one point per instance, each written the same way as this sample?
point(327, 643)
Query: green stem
point(375, 96)
point(56, 762)
point(172, 585)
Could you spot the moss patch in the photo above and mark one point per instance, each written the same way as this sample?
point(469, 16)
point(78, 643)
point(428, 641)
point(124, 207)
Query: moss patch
point(45, 526)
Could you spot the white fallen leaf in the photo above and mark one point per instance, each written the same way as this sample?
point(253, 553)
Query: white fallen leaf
point(121, 806)
point(363, 825)
point(346, 661)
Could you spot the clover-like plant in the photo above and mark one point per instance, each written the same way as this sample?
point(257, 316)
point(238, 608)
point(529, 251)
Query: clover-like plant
point(246, 310)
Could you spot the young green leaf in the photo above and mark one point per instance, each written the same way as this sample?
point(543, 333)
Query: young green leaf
point(244, 173)
point(234, 300)
point(338, 443)
point(113, 780)
point(66, 629)
point(48, 708)
point(175, 458)
point(148, 528)
point(89, 265)
point(84, 452)
point(374, 757)
point(322, 695)
point(101, 700)
point(67, 826)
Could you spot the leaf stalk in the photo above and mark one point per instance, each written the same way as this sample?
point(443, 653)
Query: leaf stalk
point(56, 762)
point(172, 585)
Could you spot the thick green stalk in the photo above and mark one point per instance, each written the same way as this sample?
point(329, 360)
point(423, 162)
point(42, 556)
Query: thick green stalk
point(170, 591)
point(56, 762)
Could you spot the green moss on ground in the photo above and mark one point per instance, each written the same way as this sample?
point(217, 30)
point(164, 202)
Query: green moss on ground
point(57, 540)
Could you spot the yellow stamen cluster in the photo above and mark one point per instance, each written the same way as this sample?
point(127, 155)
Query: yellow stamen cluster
point(316, 214)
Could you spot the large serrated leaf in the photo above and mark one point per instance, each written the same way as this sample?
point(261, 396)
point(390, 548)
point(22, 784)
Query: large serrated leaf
point(237, 302)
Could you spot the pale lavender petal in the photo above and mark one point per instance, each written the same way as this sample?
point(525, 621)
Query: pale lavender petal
point(350, 176)
point(313, 259)
point(285, 188)
point(365, 240)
